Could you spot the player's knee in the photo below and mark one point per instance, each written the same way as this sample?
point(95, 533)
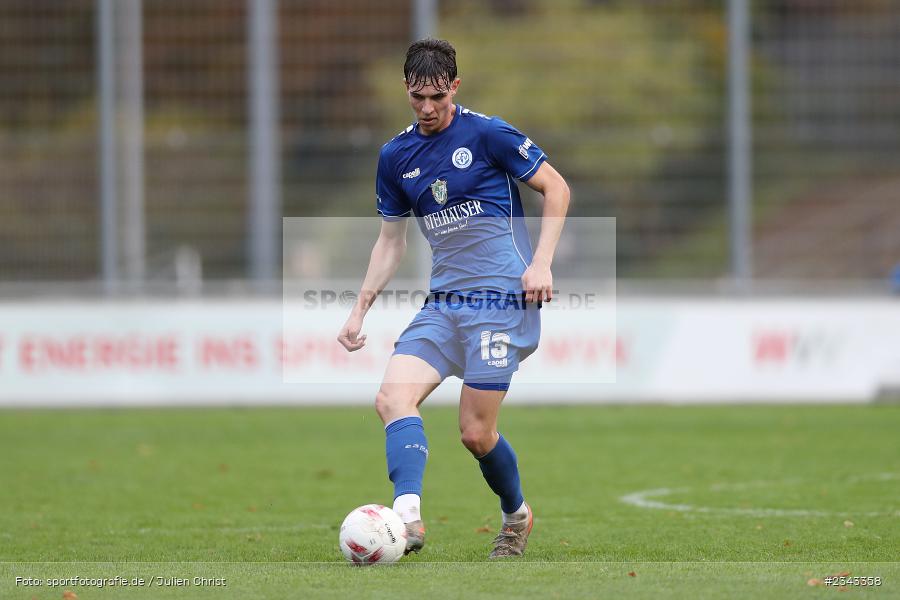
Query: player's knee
point(382, 404)
point(388, 404)
point(477, 440)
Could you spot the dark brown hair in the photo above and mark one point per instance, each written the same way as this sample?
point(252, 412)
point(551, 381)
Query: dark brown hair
point(430, 61)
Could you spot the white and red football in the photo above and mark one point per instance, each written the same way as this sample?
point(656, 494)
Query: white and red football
point(373, 534)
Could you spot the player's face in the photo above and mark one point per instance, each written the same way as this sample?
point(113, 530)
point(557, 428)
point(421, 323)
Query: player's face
point(433, 106)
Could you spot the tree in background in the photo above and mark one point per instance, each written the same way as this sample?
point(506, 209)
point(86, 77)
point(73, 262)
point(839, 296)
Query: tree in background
point(625, 97)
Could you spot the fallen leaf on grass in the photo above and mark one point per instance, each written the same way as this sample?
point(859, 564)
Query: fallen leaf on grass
point(758, 527)
point(564, 542)
point(197, 506)
point(69, 595)
point(484, 529)
point(251, 508)
point(842, 574)
point(223, 468)
point(848, 523)
point(443, 519)
point(814, 582)
point(632, 574)
point(145, 450)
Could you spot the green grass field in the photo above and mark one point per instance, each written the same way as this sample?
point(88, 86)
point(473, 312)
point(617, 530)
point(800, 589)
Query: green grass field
point(725, 502)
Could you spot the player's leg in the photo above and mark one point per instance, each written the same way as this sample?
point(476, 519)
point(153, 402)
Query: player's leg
point(407, 382)
point(478, 411)
point(420, 362)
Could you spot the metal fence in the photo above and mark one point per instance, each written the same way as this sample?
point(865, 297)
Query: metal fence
point(629, 99)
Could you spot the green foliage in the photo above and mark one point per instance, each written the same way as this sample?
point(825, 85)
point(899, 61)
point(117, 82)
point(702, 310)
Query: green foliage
point(626, 98)
point(607, 90)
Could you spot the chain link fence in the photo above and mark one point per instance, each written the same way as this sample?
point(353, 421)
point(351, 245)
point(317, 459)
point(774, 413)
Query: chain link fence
point(628, 98)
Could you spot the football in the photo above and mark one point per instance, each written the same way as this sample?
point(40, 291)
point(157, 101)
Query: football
point(372, 534)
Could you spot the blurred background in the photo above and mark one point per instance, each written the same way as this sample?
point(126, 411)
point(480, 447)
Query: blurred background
point(150, 148)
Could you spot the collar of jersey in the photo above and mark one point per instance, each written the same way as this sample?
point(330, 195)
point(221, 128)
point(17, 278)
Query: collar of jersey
point(433, 136)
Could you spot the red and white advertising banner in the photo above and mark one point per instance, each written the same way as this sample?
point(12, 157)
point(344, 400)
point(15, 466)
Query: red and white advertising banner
point(269, 352)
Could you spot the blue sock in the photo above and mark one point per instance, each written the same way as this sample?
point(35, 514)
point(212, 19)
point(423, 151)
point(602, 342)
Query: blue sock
point(502, 473)
point(407, 450)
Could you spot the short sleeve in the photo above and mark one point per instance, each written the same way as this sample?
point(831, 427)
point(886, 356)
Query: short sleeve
point(513, 151)
point(389, 196)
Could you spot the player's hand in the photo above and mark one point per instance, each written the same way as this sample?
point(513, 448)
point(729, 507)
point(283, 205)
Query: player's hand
point(349, 336)
point(537, 283)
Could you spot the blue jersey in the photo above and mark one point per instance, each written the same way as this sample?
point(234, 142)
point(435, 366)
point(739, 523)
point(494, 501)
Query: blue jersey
point(459, 185)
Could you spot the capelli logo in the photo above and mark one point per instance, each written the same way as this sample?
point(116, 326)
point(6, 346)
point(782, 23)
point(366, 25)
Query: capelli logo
point(418, 447)
point(412, 174)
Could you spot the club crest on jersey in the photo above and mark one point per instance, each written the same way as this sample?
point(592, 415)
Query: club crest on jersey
point(439, 191)
point(462, 158)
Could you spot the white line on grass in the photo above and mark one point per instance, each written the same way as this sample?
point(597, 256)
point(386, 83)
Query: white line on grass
point(647, 499)
point(238, 530)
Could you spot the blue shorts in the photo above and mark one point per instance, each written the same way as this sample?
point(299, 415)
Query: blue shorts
point(480, 341)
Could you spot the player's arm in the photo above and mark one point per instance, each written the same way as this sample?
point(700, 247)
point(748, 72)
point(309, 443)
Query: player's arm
point(386, 255)
point(537, 281)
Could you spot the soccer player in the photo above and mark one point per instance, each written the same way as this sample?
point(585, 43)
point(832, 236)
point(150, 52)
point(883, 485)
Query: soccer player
point(453, 169)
